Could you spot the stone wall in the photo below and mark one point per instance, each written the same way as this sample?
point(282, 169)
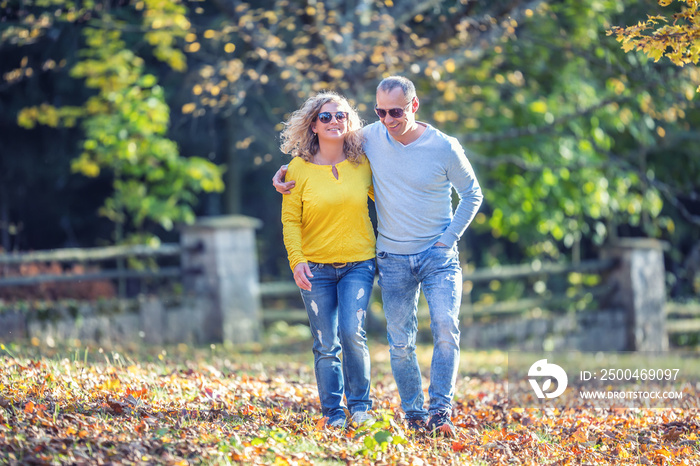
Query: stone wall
point(631, 316)
point(603, 330)
point(147, 320)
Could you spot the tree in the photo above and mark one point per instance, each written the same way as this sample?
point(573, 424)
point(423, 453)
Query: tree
point(126, 121)
point(679, 41)
point(558, 115)
point(253, 63)
point(569, 135)
point(248, 65)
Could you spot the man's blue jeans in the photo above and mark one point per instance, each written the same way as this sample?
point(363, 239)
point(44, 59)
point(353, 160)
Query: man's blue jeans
point(438, 271)
point(337, 307)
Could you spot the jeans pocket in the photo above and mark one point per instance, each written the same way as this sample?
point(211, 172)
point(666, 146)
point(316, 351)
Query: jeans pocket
point(444, 252)
point(445, 248)
point(314, 266)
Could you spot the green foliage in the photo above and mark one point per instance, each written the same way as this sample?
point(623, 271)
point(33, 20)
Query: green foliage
point(563, 129)
point(378, 437)
point(569, 127)
point(125, 125)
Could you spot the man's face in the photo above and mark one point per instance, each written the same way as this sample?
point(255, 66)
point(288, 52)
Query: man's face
point(395, 99)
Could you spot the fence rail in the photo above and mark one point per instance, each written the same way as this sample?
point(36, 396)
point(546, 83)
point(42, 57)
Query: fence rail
point(283, 289)
point(683, 318)
point(518, 306)
point(161, 272)
point(505, 272)
point(501, 272)
point(279, 289)
point(91, 255)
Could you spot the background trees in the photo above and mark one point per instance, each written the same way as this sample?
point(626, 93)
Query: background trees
point(574, 140)
point(575, 135)
point(125, 122)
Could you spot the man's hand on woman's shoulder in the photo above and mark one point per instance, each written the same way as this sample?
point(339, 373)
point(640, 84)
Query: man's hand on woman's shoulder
point(278, 182)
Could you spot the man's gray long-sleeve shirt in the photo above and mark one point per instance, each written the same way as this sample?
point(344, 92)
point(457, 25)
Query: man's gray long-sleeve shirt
point(413, 189)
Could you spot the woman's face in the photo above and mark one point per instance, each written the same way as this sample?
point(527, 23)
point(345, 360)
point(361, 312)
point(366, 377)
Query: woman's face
point(334, 129)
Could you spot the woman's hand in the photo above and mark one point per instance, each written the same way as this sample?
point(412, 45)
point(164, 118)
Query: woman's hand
point(301, 272)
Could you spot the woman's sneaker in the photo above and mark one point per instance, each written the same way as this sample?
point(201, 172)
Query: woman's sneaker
point(441, 425)
point(363, 418)
point(337, 423)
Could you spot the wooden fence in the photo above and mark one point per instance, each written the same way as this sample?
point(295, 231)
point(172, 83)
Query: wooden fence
point(117, 254)
point(287, 290)
point(536, 269)
point(280, 300)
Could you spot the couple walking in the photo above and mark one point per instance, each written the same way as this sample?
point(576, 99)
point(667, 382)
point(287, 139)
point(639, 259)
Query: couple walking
point(408, 168)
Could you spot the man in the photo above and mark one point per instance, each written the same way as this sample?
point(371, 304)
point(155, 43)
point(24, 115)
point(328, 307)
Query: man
point(414, 167)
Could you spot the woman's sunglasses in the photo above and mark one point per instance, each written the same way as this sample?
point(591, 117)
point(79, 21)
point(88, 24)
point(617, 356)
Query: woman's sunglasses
point(394, 112)
point(326, 117)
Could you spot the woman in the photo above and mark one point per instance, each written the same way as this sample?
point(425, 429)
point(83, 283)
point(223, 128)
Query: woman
point(331, 247)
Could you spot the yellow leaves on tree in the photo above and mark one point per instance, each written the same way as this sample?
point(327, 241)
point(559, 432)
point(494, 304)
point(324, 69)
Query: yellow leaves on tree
point(677, 39)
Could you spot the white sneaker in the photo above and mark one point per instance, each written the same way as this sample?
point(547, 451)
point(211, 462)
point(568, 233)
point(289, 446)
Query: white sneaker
point(363, 418)
point(338, 423)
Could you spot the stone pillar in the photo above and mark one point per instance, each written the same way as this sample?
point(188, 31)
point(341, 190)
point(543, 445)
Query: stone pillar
point(13, 326)
point(638, 290)
point(220, 265)
point(152, 320)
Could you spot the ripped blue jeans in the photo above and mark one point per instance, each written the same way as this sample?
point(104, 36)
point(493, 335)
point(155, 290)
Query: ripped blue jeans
point(337, 307)
point(438, 272)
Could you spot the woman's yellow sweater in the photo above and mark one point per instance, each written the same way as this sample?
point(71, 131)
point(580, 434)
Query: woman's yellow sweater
point(325, 219)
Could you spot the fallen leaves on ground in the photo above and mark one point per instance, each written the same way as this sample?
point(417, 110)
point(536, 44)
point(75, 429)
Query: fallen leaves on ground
point(211, 409)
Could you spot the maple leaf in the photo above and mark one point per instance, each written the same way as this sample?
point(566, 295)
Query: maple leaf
point(580, 435)
point(136, 393)
point(458, 446)
point(321, 423)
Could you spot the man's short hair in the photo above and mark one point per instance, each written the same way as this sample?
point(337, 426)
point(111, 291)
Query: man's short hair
point(392, 82)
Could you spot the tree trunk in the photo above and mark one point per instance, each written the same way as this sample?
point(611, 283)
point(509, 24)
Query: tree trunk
point(233, 176)
point(4, 219)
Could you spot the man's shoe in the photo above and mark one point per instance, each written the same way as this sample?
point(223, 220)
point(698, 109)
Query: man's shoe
point(416, 426)
point(441, 425)
point(363, 418)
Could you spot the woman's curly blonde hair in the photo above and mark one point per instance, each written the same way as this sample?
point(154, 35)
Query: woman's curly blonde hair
point(299, 140)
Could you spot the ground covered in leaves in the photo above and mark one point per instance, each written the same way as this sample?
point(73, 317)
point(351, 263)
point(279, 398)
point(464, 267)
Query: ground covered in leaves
point(258, 405)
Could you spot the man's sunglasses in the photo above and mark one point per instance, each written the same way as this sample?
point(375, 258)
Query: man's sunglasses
point(394, 112)
point(326, 117)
